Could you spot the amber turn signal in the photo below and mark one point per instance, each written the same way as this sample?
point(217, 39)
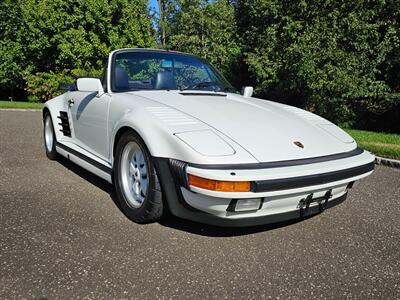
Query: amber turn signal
point(219, 186)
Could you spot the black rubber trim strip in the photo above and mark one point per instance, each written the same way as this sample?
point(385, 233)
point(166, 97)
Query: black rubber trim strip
point(302, 181)
point(85, 158)
point(280, 164)
point(178, 169)
point(170, 186)
point(203, 94)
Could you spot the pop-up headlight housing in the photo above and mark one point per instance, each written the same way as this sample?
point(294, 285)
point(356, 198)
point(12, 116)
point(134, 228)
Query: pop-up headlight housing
point(206, 142)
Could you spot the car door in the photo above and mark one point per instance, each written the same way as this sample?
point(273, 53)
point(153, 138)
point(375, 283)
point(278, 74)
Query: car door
point(89, 113)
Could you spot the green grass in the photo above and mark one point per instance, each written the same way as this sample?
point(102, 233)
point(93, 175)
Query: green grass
point(381, 144)
point(20, 105)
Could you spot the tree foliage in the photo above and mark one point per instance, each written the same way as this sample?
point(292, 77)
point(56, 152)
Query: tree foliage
point(166, 11)
point(207, 29)
point(338, 58)
point(42, 39)
point(326, 56)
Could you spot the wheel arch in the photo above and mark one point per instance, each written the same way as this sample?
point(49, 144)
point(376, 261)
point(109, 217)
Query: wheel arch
point(53, 107)
point(159, 141)
point(119, 134)
point(45, 110)
point(158, 137)
point(129, 128)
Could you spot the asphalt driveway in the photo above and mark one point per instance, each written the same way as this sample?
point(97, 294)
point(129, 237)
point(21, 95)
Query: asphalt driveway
point(62, 236)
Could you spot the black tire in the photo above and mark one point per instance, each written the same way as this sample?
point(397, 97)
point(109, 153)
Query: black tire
point(151, 209)
point(51, 153)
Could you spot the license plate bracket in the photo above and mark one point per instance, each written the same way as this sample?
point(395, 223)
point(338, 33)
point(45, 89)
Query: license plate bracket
point(304, 204)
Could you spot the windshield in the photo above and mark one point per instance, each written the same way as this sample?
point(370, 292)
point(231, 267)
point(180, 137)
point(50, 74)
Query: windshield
point(152, 70)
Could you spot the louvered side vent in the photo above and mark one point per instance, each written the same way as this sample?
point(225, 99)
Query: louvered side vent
point(178, 169)
point(65, 129)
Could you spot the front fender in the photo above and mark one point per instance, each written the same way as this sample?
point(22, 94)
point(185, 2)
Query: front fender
point(159, 139)
point(159, 125)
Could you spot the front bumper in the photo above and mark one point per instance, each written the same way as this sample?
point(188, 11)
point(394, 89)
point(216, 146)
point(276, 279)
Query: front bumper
point(280, 189)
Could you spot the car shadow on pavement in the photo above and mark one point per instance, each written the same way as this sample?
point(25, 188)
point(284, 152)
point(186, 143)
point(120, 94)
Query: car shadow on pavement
point(217, 231)
point(174, 222)
point(91, 178)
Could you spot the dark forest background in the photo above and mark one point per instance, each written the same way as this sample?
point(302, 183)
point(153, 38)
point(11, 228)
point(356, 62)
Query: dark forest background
point(338, 58)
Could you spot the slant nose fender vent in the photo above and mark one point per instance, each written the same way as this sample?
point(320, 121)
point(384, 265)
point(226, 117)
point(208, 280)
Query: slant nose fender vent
point(178, 169)
point(65, 129)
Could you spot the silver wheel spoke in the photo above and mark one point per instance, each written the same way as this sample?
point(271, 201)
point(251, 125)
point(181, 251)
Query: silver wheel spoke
point(132, 169)
point(137, 188)
point(133, 174)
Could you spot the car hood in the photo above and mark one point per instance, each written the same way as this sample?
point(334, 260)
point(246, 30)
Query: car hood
point(267, 130)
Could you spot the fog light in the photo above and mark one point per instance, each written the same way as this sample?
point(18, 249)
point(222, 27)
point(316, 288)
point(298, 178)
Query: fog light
point(244, 204)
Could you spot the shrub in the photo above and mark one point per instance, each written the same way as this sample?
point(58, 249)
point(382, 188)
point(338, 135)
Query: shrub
point(45, 85)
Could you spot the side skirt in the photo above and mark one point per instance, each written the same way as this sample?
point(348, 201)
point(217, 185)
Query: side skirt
point(85, 162)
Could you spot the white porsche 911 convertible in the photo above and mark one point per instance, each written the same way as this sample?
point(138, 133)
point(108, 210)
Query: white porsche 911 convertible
point(172, 134)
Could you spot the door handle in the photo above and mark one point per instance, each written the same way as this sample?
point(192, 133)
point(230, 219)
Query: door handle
point(71, 102)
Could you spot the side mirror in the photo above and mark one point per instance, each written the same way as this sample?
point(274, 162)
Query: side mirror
point(247, 91)
point(90, 85)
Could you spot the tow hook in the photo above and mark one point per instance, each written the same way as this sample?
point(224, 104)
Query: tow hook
point(328, 195)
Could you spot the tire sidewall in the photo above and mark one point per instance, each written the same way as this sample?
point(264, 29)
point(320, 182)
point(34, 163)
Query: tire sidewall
point(136, 214)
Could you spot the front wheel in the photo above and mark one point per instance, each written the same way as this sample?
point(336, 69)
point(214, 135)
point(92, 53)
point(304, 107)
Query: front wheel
point(136, 182)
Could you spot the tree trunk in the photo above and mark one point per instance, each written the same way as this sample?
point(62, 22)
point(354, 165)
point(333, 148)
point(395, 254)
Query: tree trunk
point(161, 23)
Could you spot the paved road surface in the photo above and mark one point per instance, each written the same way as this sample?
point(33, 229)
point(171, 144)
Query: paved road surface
point(62, 236)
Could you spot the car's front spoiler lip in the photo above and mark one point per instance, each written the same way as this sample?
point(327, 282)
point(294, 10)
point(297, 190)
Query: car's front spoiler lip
point(179, 207)
point(309, 180)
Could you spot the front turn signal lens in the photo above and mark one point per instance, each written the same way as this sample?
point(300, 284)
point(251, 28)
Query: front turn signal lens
point(219, 186)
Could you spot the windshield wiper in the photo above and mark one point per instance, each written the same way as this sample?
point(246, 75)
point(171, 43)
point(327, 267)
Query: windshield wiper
point(207, 84)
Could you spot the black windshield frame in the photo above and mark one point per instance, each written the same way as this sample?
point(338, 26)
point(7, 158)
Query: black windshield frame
point(164, 54)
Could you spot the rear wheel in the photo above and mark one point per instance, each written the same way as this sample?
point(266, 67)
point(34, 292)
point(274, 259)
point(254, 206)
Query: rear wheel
point(49, 137)
point(136, 182)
